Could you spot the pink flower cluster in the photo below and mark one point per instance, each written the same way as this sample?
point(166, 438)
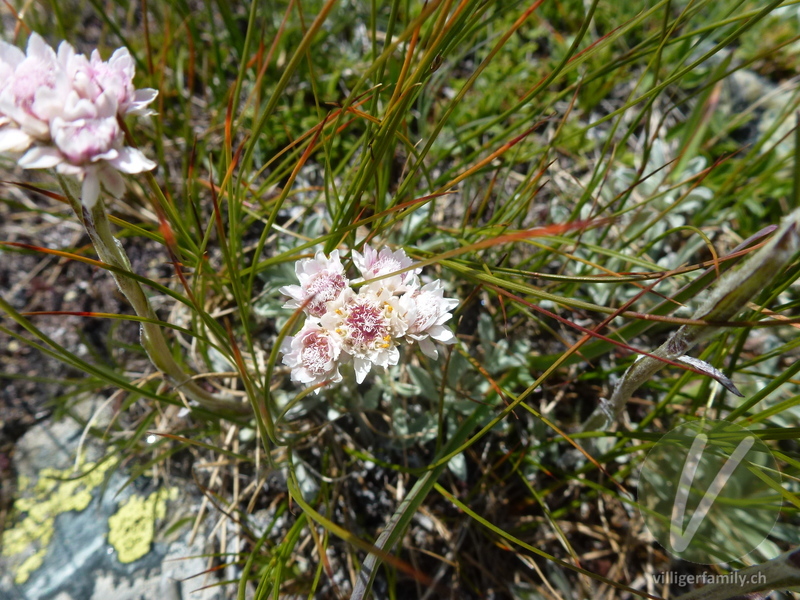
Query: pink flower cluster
point(61, 109)
point(364, 326)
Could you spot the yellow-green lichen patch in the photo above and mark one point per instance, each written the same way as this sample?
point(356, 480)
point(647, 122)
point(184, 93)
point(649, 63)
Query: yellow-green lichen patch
point(30, 564)
point(52, 495)
point(132, 528)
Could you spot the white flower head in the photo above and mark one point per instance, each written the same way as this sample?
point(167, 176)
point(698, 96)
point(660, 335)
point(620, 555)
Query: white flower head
point(374, 264)
point(312, 355)
point(363, 327)
point(321, 280)
point(426, 310)
point(368, 324)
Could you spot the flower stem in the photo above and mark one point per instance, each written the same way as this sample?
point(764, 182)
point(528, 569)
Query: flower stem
point(732, 293)
point(111, 252)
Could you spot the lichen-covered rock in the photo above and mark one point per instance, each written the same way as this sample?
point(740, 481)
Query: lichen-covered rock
point(73, 537)
point(56, 492)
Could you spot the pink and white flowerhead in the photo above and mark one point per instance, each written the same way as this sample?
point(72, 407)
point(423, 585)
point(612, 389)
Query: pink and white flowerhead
point(322, 280)
point(426, 310)
point(364, 327)
point(32, 92)
point(313, 355)
point(88, 143)
point(374, 264)
point(369, 324)
point(92, 77)
point(62, 108)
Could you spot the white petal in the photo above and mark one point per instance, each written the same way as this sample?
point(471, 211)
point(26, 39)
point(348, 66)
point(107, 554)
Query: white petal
point(141, 98)
point(303, 376)
point(108, 156)
point(293, 291)
point(336, 377)
point(106, 105)
point(31, 125)
point(121, 61)
point(380, 359)
point(131, 160)
point(393, 356)
point(113, 182)
point(60, 109)
point(65, 53)
point(442, 334)
point(39, 48)
point(66, 168)
point(14, 140)
point(11, 55)
point(40, 157)
point(362, 367)
point(311, 266)
point(358, 260)
point(428, 348)
point(292, 304)
point(91, 190)
point(286, 347)
point(443, 318)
